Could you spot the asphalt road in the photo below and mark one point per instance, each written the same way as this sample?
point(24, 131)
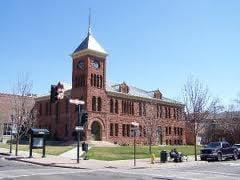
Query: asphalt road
point(213, 170)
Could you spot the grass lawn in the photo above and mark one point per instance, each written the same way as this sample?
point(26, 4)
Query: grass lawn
point(52, 150)
point(126, 152)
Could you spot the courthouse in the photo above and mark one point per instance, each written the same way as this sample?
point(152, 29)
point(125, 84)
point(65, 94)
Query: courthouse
point(111, 107)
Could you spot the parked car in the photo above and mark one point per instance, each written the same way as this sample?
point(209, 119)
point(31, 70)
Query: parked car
point(238, 148)
point(219, 151)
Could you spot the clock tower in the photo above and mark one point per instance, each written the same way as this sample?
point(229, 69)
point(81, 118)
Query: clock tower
point(89, 77)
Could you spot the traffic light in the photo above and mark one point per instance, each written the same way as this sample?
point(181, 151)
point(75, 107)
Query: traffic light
point(84, 118)
point(54, 94)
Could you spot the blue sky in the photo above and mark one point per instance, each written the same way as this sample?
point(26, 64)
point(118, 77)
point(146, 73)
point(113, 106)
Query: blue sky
point(151, 44)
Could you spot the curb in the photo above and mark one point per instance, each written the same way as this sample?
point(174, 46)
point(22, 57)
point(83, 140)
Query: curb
point(43, 164)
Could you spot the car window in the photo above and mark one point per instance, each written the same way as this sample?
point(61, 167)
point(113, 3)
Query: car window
point(213, 145)
point(226, 145)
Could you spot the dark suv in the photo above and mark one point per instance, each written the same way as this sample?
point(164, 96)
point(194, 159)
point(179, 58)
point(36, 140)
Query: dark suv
point(218, 151)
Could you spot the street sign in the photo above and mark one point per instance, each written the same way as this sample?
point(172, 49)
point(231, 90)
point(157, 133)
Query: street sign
point(79, 128)
point(135, 124)
point(76, 102)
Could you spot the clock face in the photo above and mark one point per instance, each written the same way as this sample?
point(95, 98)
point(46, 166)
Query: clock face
point(80, 64)
point(96, 64)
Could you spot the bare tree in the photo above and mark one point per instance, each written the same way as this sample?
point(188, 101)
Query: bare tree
point(24, 113)
point(198, 105)
point(150, 123)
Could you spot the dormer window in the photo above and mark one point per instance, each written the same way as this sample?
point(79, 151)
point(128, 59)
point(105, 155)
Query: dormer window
point(123, 88)
point(157, 94)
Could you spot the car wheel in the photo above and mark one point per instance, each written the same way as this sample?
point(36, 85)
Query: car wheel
point(219, 157)
point(235, 156)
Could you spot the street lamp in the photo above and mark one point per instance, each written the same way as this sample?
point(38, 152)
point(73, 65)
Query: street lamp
point(135, 129)
point(78, 128)
point(11, 135)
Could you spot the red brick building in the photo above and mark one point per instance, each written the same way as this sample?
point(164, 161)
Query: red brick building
point(111, 107)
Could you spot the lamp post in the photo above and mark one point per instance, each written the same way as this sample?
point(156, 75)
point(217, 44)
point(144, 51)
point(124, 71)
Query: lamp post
point(78, 128)
point(11, 135)
point(135, 128)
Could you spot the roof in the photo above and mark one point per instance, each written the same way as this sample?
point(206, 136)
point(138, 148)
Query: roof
point(36, 131)
point(137, 92)
point(134, 92)
point(90, 43)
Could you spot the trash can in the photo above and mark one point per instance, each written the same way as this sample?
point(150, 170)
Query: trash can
point(163, 156)
point(85, 147)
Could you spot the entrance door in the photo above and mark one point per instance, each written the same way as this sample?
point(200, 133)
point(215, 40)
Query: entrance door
point(96, 131)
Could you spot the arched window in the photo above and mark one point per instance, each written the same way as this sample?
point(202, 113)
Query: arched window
point(94, 103)
point(140, 109)
point(95, 80)
point(101, 82)
point(111, 105)
point(132, 108)
point(98, 85)
point(99, 104)
point(91, 79)
point(116, 106)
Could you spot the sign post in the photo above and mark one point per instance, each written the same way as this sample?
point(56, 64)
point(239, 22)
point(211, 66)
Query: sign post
point(78, 128)
point(135, 128)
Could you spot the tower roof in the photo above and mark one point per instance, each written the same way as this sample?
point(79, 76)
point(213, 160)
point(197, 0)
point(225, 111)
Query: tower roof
point(90, 43)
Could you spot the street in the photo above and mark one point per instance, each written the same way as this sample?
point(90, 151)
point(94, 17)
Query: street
point(212, 170)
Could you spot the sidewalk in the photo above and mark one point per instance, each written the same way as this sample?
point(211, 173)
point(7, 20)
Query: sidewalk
point(58, 161)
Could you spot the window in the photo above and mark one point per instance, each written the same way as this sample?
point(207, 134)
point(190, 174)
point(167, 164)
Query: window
point(7, 129)
point(140, 130)
point(175, 131)
point(40, 109)
point(144, 109)
point(124, 130)
point(166, 130)
point(181, 131)
point(99, 104)
point(111, 105)
point(101, 82)
point(116, 129)
point(174, 113)
point(128, 130)
point(166, 114)
point(111, 129)
point(140, 109)
point(128, 107)
point(166, 142)
point(169, 130)
point(98, 85)
point(95, 80)
point(94, 103)
point(116, 106)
